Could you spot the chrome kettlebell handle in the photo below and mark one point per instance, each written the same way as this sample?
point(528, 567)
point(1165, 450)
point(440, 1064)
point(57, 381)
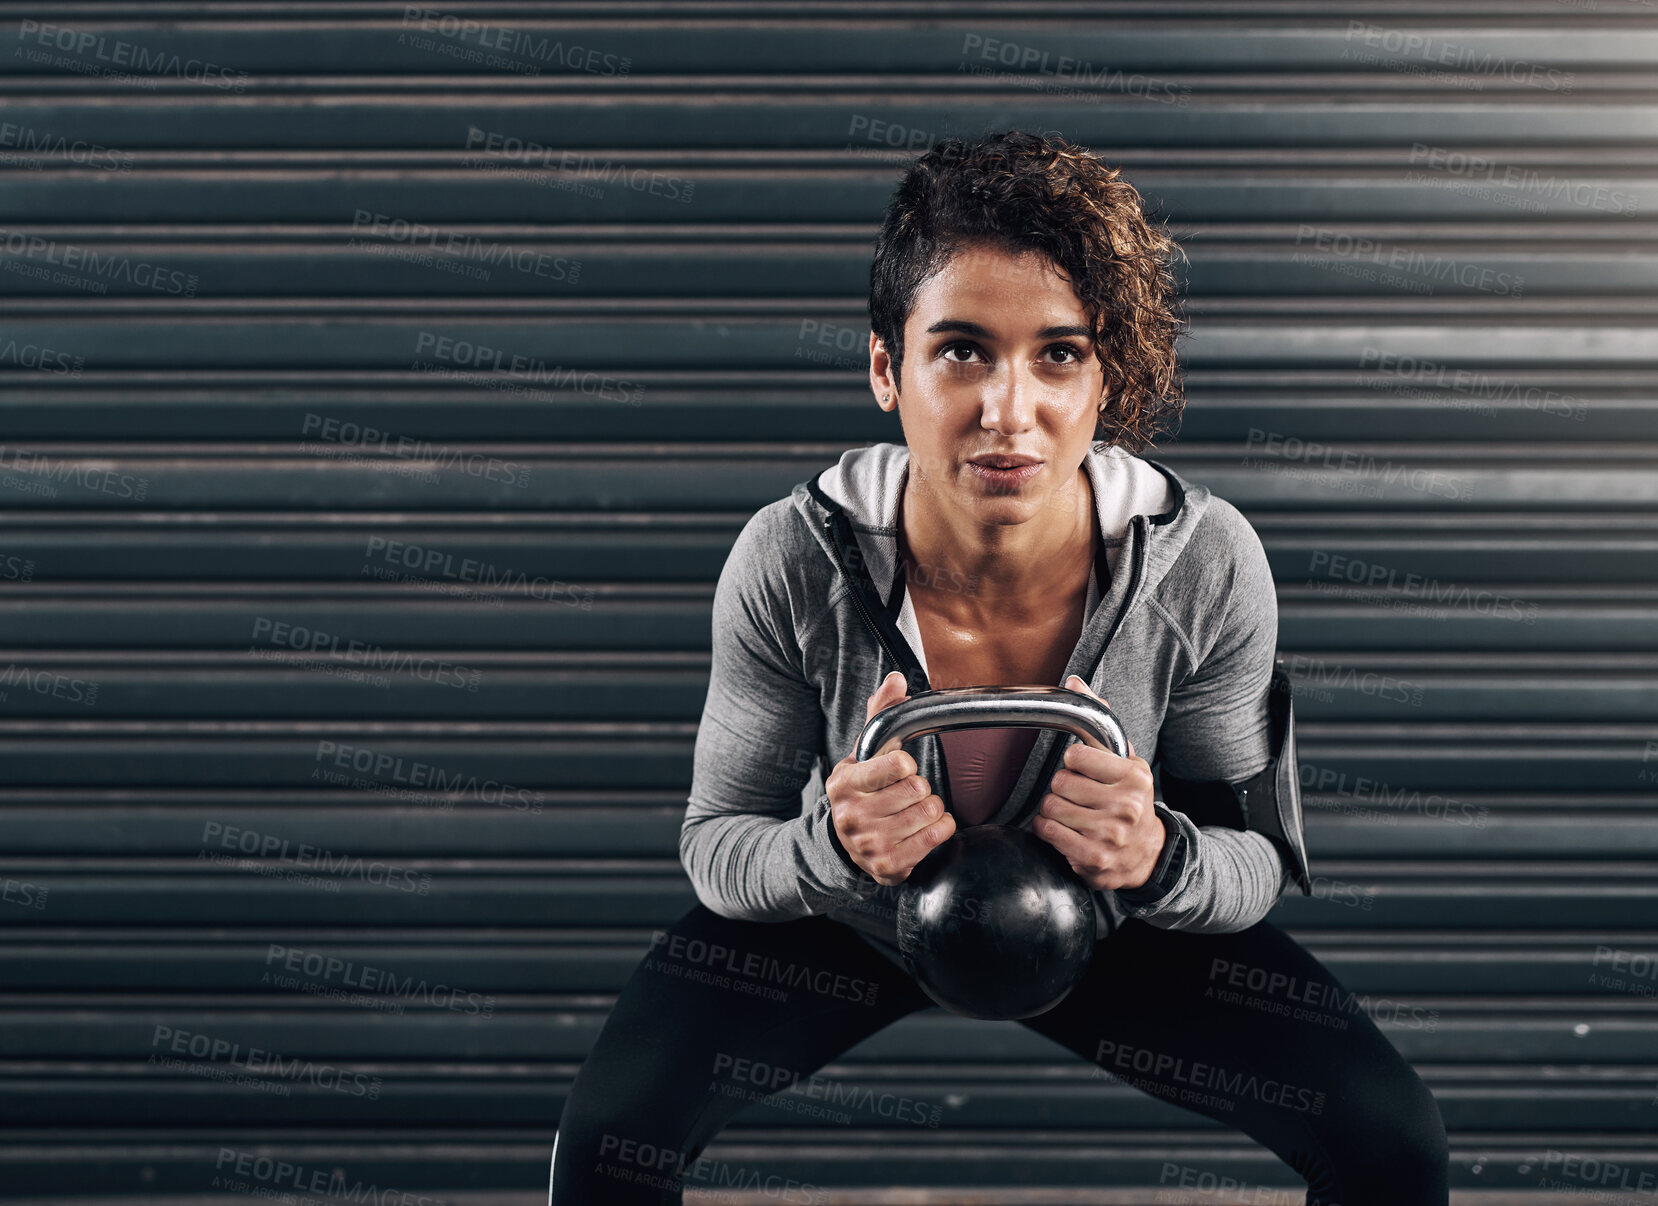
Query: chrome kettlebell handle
point(951, 708)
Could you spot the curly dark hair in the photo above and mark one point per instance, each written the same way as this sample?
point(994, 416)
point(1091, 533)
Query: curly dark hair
point(1018, 191)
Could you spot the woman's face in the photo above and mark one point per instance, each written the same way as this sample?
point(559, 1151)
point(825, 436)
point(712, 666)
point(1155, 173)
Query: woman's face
point(997, 360)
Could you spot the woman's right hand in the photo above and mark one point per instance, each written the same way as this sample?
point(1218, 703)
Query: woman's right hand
point(886, 815)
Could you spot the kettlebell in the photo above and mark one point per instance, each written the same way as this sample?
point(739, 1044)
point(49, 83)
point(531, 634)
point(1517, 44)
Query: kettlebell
point(994, 923)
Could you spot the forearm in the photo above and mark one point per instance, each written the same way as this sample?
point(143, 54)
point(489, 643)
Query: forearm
point(1231, 880)
point(753, 867)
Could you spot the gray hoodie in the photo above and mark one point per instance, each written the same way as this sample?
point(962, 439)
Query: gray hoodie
point(1180, 639)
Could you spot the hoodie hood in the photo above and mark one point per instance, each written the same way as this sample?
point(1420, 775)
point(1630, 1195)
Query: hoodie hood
point(866, 486)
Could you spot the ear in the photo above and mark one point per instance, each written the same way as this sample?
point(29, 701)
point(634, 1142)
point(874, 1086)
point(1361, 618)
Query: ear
point(880, 374)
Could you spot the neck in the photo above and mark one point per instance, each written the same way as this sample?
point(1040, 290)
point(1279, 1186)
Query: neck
point(970, 568)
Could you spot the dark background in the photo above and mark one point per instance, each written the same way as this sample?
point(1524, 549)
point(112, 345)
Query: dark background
point(290, 487)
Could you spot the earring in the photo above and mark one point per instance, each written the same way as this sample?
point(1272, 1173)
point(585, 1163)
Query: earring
point(884, 397)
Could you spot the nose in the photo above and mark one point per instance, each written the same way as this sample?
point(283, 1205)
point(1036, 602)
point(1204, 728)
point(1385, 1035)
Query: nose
point(1008, 406)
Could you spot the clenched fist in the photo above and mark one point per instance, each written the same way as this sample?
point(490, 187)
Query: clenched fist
point(886, 815)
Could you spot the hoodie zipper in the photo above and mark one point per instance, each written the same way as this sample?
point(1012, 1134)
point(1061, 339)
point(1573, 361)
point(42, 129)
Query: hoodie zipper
point(858, 601)
point(943, 786)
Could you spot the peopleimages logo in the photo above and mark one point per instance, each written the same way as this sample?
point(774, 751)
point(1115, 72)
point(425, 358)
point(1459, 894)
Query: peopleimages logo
point(726, 967)
point(756, 1080)
point(1361, 465)
point(118, 52)
point(33, 253)
point(1305, 1000)
point(263, 1176)
point(222, 1055)
point(278, 634)
point(29, 141)
point(499, 149)
point(1178, 1079)
point(402, 233)
point(38, 356)
point(382, 766)
point(499, 369)
point(348, 973)
point(281, 850)
point(1373, 576)
point(1340, 245)
point(511, 42)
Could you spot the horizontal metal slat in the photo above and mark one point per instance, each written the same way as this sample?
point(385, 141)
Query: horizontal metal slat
point(424, 762)
point(1361, 895)
point(1276, 471)
point(927, 1045)
point(1103, 54)
point(347, 672)
point(1452, 403)
point(1514, 1103)
point(151, 1161)
point(594, 352)
point(1346, 560)
point(1593, 191)
point(367, 254)
point(1535, 969)
point(1357, 818)
point(568, 112)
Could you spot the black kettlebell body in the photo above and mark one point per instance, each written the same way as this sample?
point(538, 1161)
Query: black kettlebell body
point(995, 924)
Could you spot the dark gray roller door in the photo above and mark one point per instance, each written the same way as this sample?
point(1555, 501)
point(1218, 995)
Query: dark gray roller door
point(381, 393)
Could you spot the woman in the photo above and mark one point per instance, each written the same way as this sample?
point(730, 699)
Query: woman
point(1022, 307)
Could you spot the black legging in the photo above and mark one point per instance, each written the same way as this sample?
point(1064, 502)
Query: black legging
point(1245, 1028)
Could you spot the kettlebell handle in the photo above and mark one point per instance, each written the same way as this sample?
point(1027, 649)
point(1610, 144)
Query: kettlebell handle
point(950, 708)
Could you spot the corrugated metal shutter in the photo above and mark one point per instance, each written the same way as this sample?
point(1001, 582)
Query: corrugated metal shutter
point(593, 278)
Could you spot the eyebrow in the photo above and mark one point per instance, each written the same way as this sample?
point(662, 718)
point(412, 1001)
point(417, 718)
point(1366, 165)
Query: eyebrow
point(978, 332)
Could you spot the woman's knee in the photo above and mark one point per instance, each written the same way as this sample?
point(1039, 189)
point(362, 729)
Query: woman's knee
point(1391, 1139)
point(622, 1102)
point(611, 1140)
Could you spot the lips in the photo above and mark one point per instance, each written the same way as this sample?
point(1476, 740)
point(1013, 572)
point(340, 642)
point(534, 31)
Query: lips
point(1012, 477)
point(1004, 461)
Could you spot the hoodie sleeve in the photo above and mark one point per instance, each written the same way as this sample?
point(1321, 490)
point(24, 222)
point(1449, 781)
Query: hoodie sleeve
point(750, 850)
point(1216, 727)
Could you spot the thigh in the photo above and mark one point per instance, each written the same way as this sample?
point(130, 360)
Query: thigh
point(1251, 1030)
point(719, 1014)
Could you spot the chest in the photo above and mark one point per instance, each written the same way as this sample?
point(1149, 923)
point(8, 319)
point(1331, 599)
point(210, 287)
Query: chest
point(1000, 653)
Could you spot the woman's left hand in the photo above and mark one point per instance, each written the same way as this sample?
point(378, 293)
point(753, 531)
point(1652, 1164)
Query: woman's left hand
point(1098, 813)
